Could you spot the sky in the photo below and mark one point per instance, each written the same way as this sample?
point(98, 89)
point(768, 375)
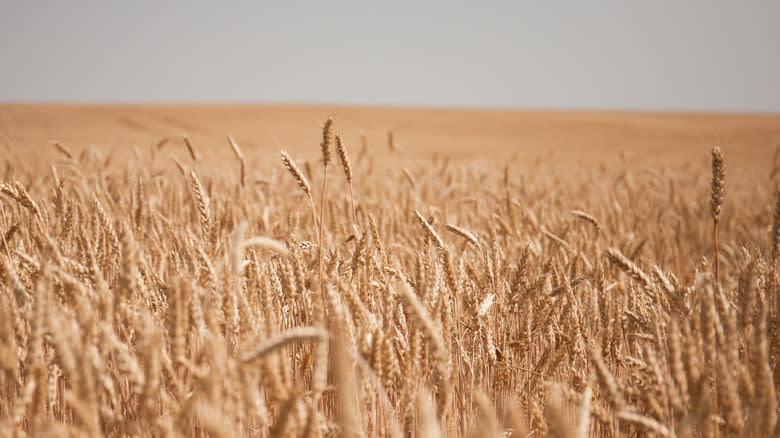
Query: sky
point(633, 55)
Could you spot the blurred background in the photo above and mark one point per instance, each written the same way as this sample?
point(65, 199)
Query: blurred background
point(660, 55)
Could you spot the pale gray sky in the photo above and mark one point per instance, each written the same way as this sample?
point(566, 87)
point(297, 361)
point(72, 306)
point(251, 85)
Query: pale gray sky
point(668, 55)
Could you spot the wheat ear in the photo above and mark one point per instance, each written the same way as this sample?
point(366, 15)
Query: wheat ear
point(296, 172)
point(303, 183)
point(202, 201)
point(587, 218)
point(63, 150)
point(464, 233)
point(347, 165)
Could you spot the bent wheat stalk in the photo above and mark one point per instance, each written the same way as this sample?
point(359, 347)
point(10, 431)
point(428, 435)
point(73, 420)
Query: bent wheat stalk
point(281, 340)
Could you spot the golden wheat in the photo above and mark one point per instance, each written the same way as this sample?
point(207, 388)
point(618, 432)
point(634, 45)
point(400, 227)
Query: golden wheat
point(135, 301)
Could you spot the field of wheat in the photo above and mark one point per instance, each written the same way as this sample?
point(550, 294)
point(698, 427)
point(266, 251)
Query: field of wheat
point(167, 295)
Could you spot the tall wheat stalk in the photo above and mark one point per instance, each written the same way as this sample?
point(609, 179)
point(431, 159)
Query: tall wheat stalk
point(775, 248)
point(326, 147)
point(718, 184)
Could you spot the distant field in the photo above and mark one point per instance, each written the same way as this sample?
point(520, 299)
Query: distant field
point(483, 274)
point(590, 138)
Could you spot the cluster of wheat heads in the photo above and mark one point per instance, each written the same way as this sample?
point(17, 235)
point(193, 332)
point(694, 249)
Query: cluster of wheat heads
point(433, 300)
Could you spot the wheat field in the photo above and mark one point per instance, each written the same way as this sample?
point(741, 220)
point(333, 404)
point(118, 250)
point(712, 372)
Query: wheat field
point(357, 288)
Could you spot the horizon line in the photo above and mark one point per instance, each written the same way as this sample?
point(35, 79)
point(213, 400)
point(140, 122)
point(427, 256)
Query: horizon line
point(423, 107)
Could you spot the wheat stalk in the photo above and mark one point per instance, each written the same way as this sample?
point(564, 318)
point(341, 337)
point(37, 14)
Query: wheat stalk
point(718, 184)
point(775, 246)
point(326, 146)
point(282, 340)
point(615, 256)
point(240, 157)
point(190, 148)
point(435, 340)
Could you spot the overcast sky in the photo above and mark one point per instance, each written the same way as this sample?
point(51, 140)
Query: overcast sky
point(667, 55)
